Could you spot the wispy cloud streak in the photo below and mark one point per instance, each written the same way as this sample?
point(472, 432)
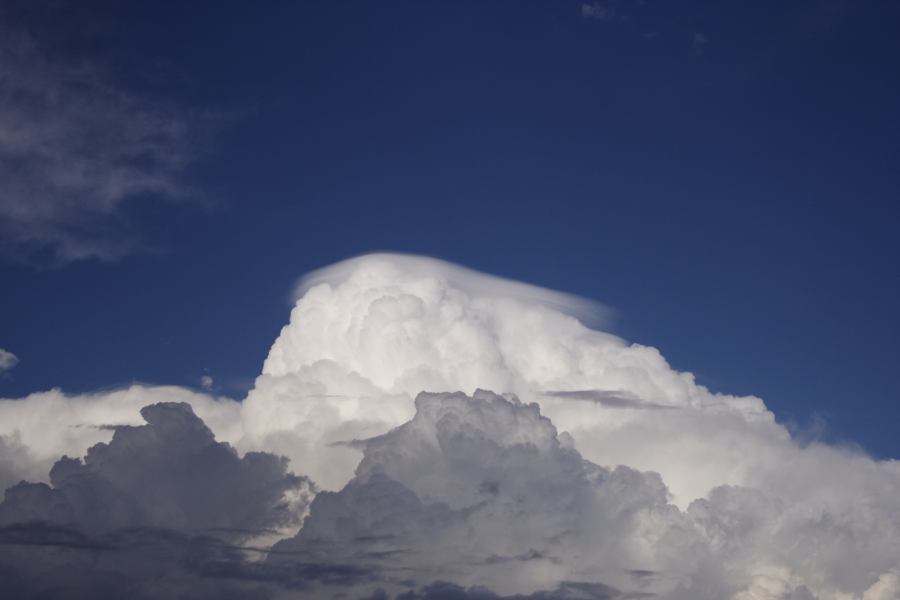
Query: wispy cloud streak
point(75, 149)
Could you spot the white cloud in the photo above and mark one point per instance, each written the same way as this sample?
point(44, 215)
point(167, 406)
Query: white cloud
point(168, 473)
point(154, 513)
point(716, 499)
point(47, 425)
point(369, 334)
point(8, 360)
point(75, 149)
point(886, 588)
point(598, 10)
point(206, 382)
point(483, 492)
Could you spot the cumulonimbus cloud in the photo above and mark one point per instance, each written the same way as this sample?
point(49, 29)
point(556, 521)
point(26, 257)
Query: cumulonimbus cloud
point(685, 494)
point(370, 333)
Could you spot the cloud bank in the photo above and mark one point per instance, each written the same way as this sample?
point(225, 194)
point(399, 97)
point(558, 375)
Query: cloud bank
point(600, 473)
point(482, 491)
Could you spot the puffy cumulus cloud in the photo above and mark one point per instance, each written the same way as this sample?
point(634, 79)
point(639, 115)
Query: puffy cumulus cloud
point(482, 493)
point(368, 334)
point(39, 428)
point(163, 510)
point(474, 497)
point(772, 548)
point(8, 360)
point(171, 474)
point(206, 382)
point(652, 485)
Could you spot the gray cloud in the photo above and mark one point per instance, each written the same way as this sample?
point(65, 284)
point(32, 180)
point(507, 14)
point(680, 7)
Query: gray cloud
point(39, 560)
point(473, 498)
point(609, 399)
point(75, 150)
point(170, 473)
point(480, 491)
point(159, 511)
point(442, 590)
point(162, 510)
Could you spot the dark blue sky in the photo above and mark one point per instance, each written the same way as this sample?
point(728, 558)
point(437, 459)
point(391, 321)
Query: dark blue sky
point(724, 174)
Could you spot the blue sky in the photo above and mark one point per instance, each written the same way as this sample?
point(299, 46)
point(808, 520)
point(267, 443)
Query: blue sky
point(724, 176)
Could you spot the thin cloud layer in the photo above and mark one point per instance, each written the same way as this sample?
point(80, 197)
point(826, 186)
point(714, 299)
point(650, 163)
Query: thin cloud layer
point(75, 149)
